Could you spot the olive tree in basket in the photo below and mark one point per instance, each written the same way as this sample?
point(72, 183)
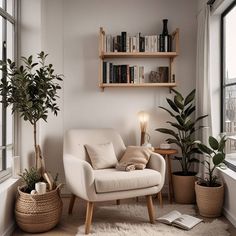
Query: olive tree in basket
point(31, 91)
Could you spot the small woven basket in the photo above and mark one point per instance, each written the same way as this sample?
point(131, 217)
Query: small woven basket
point(40, 212)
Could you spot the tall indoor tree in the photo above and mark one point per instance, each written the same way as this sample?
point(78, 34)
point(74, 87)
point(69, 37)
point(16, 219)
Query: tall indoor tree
point(31, 90)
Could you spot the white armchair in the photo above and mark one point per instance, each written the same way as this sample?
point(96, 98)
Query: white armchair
point(107, 184)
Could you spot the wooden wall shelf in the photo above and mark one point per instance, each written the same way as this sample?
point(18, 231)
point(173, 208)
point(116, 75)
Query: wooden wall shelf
point(111, 55)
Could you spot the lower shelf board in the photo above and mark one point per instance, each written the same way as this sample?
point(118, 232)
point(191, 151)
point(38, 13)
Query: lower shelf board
point(143, 85)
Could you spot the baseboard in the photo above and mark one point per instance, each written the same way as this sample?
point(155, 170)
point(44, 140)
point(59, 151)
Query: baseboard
point(10, 229)
point(229, 216)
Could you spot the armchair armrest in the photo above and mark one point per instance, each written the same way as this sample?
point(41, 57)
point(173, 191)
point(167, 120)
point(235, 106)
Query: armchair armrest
point(157, 162)
point(79, 176)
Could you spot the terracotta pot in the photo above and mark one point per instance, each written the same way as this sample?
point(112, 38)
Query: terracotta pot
point(183, 187)
point(209, 200)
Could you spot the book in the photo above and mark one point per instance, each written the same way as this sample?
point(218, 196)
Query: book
point(177, 219)
point(123, 41)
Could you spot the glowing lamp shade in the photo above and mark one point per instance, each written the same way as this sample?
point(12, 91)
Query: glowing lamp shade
point(143, 120)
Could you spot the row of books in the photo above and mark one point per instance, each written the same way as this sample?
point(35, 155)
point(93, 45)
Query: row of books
point(122, 73)
point(137, 43)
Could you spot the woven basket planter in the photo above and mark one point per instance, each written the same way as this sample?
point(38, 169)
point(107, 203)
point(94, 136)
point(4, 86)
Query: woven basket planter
point(184, 188)
point(209, 200)
point(38, 213)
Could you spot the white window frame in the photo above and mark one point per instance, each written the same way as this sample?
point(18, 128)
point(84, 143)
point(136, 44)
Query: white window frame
point(7, 172)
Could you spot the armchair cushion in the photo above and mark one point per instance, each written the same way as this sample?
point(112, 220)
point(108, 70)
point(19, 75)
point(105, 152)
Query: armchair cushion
point(136, 156)
point(112, 180)
point(101, 155)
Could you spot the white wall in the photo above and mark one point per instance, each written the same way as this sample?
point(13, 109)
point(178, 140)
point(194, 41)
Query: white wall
point(70, 36)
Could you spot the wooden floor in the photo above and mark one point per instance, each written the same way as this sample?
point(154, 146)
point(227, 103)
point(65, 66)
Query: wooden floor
point(80, 206)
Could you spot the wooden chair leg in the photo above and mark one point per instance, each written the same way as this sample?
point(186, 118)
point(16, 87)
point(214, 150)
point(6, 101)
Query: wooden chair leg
point(136, 199)
point(160, 199)
point(118, 202)
point(150, 208)
point(89, 216)
point(72, 201)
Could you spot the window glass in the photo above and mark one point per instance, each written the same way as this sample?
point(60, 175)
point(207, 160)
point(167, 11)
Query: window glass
point(230, 46)
point(7, 41)
point(229, 82)
point(10, 6)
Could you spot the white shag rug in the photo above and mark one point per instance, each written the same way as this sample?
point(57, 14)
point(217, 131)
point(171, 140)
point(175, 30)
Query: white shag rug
point(132, 219)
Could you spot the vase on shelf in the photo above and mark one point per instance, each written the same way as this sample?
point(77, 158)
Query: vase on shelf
point(165, 40)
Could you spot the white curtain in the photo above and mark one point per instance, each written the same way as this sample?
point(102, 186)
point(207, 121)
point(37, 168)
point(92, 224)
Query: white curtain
point(203, 87)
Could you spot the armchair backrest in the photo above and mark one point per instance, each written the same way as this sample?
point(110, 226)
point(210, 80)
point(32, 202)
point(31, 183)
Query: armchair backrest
point(75, 139)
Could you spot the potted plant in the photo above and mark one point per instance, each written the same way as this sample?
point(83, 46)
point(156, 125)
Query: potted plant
point(31, 91)
point(209, 191)
point(182, 134)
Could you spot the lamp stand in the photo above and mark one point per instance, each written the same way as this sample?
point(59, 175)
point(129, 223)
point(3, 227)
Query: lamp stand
point(142, 138)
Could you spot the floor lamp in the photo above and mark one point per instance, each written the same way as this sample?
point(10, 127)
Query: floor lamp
point(143, 120)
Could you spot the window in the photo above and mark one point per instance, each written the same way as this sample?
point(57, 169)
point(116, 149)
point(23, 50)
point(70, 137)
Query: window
point(228, 84)
point(7, 50)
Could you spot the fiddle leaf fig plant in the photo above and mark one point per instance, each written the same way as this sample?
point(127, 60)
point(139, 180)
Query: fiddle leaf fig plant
point(31, 90)
point(214, 157)
point(183, 129)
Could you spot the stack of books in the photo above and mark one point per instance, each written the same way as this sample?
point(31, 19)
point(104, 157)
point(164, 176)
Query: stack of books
point(127, 43)
point(122, 73)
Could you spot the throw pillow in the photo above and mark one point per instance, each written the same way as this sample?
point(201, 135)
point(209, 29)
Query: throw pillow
point(102, 156)
point(136, 157)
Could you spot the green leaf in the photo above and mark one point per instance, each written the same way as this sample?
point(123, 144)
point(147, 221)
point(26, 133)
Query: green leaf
point(180, 120)
point(178, 93)
point(188, 125)
point(189, 110)
point(218, 158)
point(222, 144)
point(177, 126)
point(167, 111)
point(213, 143)
point(171, 140)
point(189, 98)
point(200, 118)
point(172, 105)
point(166, 131)
point(204, 148)
point(178, 102)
